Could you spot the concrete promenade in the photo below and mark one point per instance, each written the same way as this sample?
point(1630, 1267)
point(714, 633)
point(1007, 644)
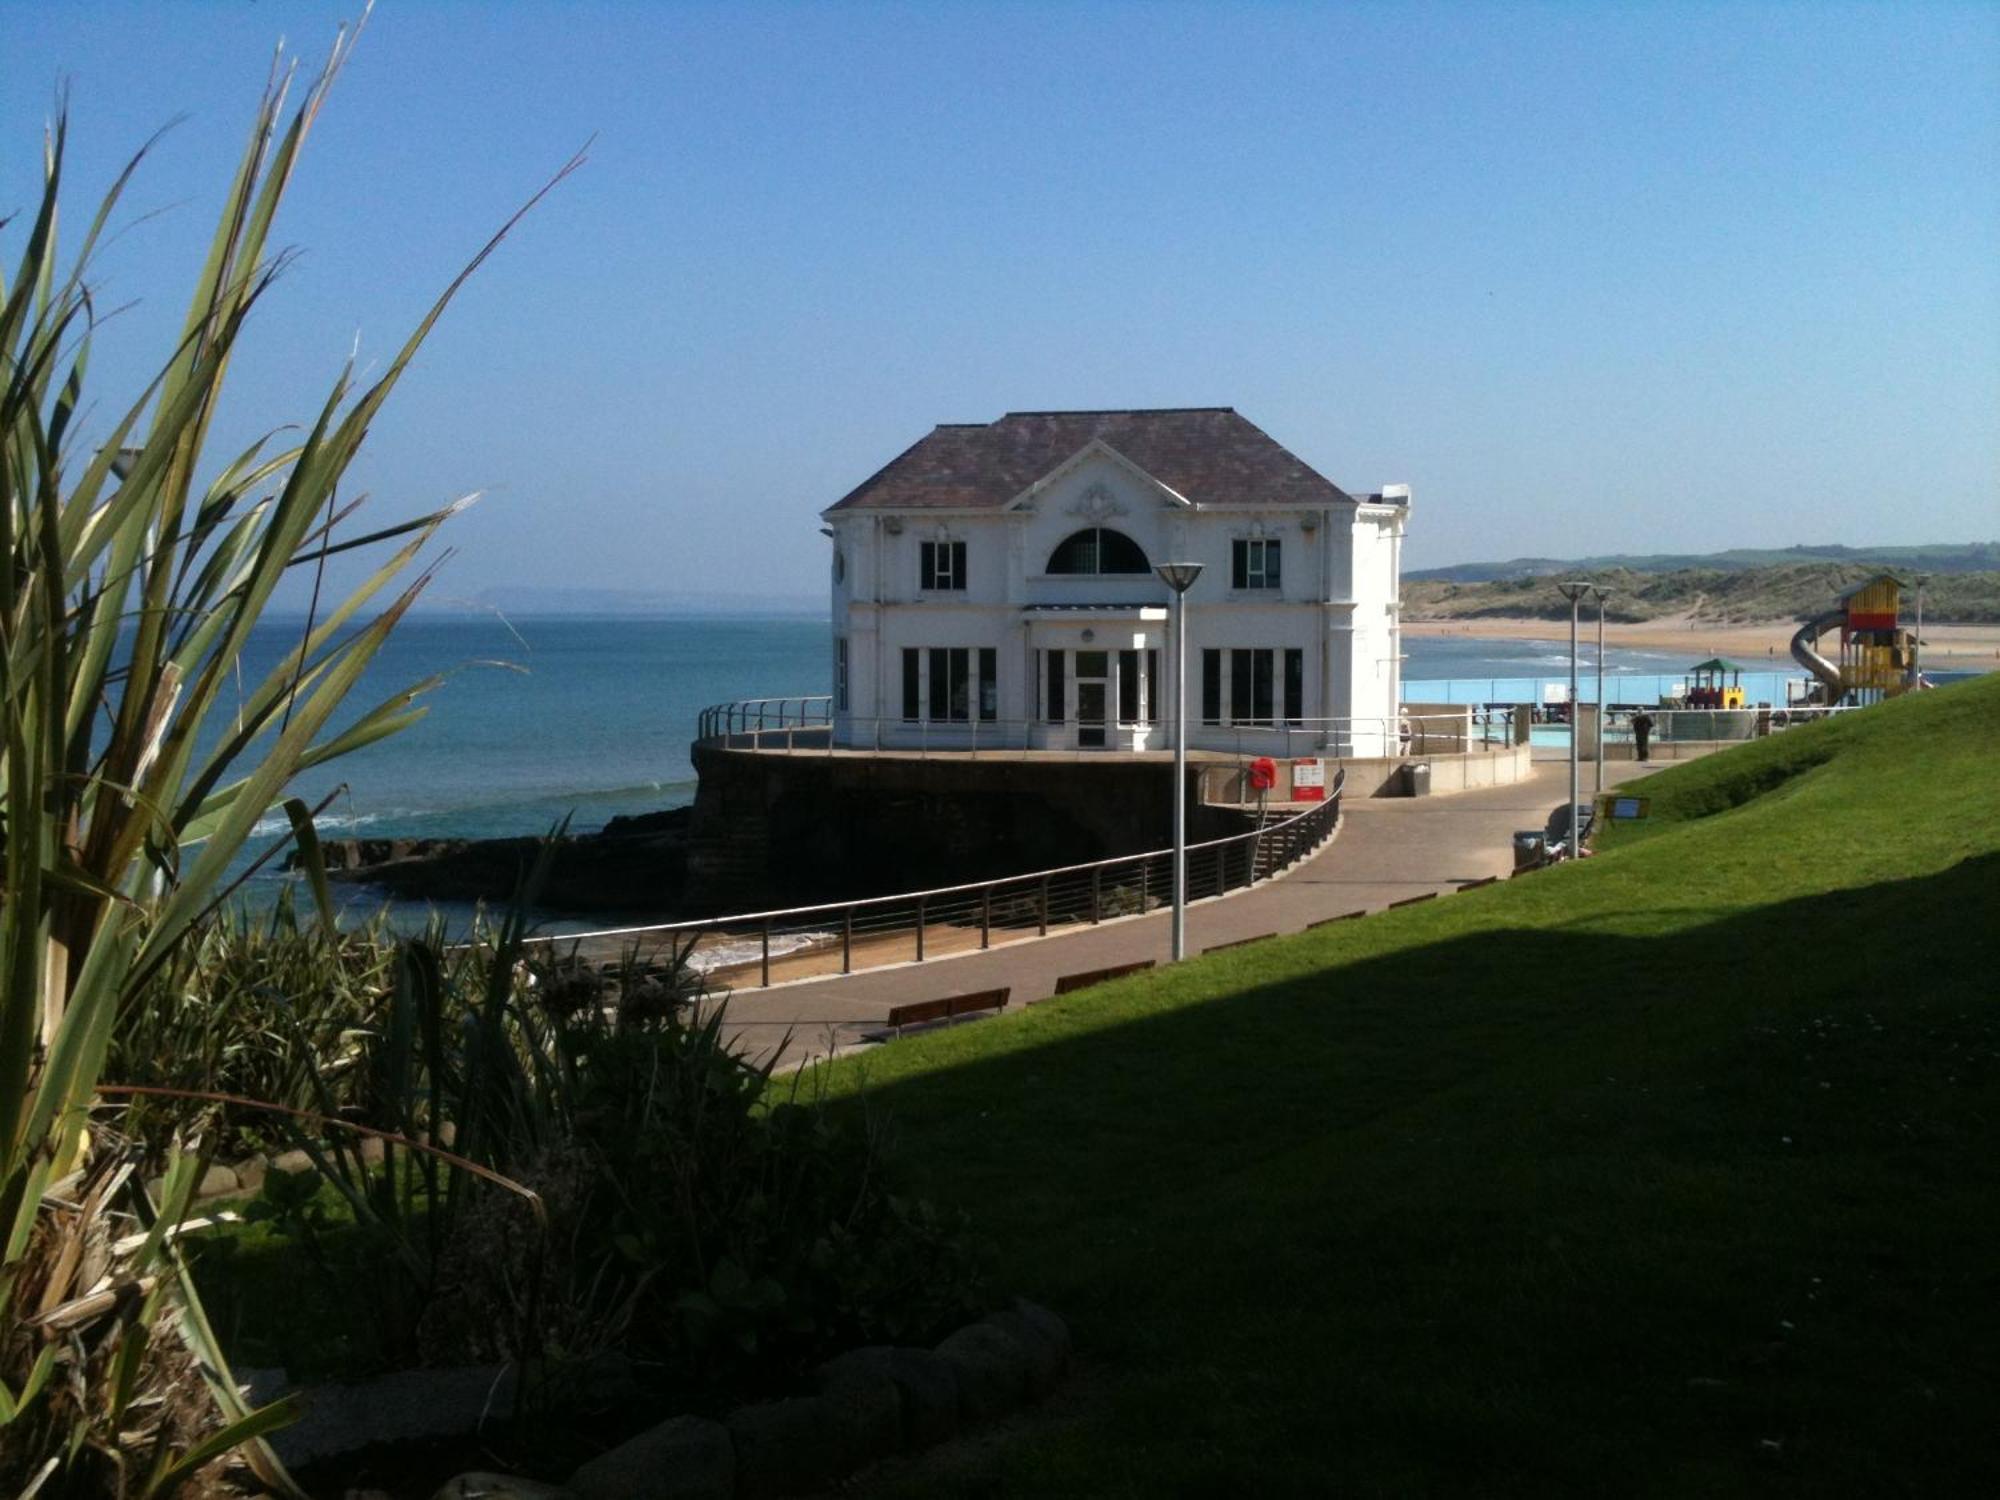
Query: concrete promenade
point(1387, 849)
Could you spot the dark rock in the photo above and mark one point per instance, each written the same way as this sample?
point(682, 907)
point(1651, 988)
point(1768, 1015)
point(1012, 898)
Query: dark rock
point(398, 1408)
point(634, 864)
point(498, 1487)
point(871, 1408)
point(992, 1370)
point(1047, 1348)
point(784, 1447)
point(926, 1388)
point(688, 1458)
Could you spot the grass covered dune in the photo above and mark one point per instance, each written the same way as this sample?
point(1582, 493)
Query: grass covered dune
point(1669, 1173)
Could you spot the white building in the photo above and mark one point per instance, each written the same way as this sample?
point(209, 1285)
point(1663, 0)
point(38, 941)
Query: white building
point(994, 585)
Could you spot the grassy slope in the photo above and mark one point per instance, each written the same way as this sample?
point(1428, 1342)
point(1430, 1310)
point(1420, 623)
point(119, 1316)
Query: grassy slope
point(1668, 1173)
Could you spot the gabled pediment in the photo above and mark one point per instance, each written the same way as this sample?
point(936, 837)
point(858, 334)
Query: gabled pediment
point(1030, 498)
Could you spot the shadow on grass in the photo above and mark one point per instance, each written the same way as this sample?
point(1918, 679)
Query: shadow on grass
point(1523, 1211)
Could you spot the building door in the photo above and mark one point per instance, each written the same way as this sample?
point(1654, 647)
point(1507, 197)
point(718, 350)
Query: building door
point(1093, 697)
point(1090, 714)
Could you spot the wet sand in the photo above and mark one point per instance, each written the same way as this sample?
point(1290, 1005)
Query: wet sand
point(1953, 648)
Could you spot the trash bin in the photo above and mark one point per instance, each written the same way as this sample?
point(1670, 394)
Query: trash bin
point(1531, 850)
point(1417, 778)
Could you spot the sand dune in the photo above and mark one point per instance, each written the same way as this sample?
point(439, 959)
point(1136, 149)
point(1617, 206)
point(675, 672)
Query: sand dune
point(1946, 647)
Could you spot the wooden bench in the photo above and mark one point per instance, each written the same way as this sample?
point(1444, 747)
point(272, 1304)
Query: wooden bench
point(1413, 900)
point(949, 1008)
point(1346, 916)
point(1239, 942)
point(1090, 977)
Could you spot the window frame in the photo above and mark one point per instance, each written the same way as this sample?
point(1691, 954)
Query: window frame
point(1096, 535)
point(941, 567)
point(1256, 564)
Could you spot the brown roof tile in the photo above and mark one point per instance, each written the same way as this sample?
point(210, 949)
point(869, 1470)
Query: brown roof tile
point(1209, 454)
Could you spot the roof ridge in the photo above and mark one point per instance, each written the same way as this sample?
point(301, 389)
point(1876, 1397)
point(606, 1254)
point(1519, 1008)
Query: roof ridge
point(1095, 411)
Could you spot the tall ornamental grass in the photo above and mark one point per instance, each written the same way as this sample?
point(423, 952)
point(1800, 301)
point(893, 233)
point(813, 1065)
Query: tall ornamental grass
point(134, 565)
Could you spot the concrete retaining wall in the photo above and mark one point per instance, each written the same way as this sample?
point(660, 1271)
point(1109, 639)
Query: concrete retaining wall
point(774, 830)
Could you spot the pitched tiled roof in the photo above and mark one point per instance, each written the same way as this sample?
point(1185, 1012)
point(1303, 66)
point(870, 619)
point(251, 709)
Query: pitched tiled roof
point(1208, 454)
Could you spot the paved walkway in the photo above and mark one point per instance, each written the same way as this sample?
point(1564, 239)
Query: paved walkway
point(1387, 849)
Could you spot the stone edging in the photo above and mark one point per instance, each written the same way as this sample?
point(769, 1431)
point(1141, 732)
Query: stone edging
point(866, 1405)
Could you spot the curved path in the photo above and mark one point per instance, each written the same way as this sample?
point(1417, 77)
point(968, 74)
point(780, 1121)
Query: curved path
point(1387, 849)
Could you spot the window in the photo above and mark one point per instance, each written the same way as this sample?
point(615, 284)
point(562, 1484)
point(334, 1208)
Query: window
point(840, 673)
point(1295, 685)
point(1153, 687)
point(1250, 687)
point(1211, 686)
point(1128, 687)
point(1254, 563)
point(1052, 682)
point(938, 683)
point(1099, 550)
point(941, 565)
point(839, 566)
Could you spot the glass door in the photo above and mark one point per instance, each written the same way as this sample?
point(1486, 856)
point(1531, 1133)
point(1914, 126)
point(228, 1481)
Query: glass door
point(1090, 714)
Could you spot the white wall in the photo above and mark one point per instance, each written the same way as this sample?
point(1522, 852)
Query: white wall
point(1336, 602)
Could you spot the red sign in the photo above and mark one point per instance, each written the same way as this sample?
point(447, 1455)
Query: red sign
point(1308, 781)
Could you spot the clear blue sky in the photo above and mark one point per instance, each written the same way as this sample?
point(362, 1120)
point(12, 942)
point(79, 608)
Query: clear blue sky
point(1592, 278)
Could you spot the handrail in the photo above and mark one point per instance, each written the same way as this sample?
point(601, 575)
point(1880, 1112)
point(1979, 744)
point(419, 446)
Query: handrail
point(808, 723)
point(704, 924)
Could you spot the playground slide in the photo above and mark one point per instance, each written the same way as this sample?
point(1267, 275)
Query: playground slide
point(1804, 654)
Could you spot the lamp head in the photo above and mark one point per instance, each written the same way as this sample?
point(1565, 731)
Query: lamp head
point(1179, 576)
point(1574, 590)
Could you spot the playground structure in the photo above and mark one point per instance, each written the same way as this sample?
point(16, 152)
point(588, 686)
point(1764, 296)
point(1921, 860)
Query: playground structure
point(1878, 659)
point(1715, 683)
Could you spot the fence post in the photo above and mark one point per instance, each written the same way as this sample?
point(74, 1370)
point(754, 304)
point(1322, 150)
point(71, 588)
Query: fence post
point(1096, 893)
point(1145, 885)
point(986, 917)
point(767, 953)
point(1044, 903)
point(923, 906)
point(847, 941)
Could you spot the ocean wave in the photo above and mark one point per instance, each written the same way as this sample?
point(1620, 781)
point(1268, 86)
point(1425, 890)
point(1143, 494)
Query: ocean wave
point(707, 958)
point(277, 823)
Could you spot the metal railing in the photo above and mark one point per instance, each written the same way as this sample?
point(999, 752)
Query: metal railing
point(807, 725)
point(760, 949)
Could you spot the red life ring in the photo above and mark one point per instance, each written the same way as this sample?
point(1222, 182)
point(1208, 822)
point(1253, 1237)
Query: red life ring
point(1263, 774)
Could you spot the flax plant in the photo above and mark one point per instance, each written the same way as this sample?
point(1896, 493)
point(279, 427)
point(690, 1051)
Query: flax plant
point(133, 569)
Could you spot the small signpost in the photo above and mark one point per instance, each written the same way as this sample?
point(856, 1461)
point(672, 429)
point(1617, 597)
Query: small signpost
point(1629, 807)
point(1308, 781)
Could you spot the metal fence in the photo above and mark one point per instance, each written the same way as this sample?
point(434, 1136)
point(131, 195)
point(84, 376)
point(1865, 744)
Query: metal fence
point(805, 725)
point(760, 949)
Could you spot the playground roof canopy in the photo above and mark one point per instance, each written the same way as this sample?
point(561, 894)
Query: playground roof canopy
point(1868, 583)
point(1718, 664)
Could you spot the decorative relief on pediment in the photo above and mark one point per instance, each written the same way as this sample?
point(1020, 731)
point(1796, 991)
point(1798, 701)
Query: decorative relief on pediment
point(1097, 504)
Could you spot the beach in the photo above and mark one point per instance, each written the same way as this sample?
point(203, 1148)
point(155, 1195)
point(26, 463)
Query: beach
point(1953, 648)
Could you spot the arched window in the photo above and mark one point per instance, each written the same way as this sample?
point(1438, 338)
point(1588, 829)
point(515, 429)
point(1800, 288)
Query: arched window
point(1098, 549)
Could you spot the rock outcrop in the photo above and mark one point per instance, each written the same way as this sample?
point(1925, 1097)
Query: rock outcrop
point(634, 864)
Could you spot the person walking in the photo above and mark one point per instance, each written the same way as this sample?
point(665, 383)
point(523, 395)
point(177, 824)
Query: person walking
point(1642, 733)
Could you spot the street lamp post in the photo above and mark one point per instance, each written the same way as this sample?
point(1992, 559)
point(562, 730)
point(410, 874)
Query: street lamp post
point(1917, 645)
point(1601, 593)
point(1573, 592)
point(1180, 577)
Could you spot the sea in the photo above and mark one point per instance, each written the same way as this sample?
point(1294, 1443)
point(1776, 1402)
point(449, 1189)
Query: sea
point(540, 720)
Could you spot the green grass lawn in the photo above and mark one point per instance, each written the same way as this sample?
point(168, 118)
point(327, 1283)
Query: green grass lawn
point(1669, 1173)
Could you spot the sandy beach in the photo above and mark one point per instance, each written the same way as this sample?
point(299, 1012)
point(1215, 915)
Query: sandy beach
point(1955, 648)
